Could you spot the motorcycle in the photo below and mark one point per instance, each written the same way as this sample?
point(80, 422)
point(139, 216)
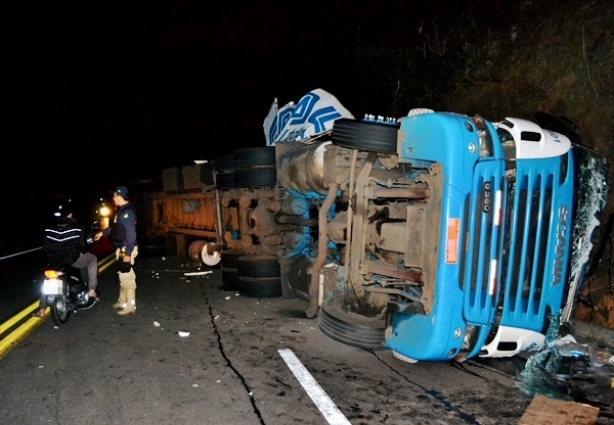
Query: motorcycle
point(67, 290)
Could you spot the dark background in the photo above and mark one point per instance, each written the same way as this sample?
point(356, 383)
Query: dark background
point(99, 93)
point(96, 94)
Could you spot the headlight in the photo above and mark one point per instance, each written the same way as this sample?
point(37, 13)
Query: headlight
point(104, 211)
point(484, 138)
point(469, 339)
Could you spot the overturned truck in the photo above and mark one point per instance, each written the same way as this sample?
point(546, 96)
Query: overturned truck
point(436, 235)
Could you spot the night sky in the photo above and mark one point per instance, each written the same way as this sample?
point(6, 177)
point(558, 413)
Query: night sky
point(100, 93)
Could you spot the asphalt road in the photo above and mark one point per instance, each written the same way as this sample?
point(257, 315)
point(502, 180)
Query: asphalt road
point(240, 361)
point(20, 280)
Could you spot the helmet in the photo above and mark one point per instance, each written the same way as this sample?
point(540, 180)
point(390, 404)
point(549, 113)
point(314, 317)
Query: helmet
point(62, 208)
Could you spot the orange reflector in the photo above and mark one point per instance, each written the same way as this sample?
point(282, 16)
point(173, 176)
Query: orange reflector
point(452, 241)
point(51, 274)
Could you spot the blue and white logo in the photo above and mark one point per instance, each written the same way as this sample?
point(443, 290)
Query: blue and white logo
point(312, 115)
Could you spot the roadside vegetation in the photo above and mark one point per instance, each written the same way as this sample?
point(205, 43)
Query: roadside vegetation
point(511, 60)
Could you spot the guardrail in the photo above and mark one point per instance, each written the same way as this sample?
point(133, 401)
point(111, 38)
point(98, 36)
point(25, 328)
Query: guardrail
point(20, 325)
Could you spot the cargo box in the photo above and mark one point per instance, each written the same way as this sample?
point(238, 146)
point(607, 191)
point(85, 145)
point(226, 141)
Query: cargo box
point(172, 180)
point(197, 175)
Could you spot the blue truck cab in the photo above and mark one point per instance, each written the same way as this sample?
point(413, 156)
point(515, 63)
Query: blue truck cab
point(501, 248)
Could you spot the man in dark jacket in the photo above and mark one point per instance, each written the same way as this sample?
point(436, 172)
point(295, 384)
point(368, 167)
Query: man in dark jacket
point(65, 244)
point(122, 233)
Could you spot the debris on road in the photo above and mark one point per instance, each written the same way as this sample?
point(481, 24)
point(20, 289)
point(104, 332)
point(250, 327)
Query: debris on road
point(544, 410)
point(568, 372)
point(197, 273)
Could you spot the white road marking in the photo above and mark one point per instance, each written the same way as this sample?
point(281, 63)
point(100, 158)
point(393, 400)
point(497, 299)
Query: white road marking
point(20, 253)
point(331, 412)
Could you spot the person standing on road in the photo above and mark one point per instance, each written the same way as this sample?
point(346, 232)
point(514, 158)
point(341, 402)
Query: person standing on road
point(65, 244)
point(123, 235)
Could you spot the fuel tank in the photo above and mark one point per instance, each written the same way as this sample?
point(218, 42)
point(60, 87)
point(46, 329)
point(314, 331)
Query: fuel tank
point(300, 167)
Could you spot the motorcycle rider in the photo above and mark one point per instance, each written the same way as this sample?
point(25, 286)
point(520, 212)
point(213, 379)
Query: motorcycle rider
point(123, 235)
point(65, 244)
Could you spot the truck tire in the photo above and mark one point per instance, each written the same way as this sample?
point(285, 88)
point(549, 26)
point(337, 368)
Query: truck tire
point(298, 267)
point(230, 258)
point(224, 179)
point(229, 262)
point(223, 163)
point(365, 136)
point(230, 280)
point(260, 287)
point(258, 266)
point(350, 328)
point(249, 157)
point(255, 177)
point(298, 293)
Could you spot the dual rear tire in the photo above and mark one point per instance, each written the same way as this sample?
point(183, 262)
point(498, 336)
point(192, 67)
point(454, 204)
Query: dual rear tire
point(259, 276)
point(247, 168)
point(253, 276)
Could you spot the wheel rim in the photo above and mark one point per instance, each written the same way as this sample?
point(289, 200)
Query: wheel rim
point(210, 259)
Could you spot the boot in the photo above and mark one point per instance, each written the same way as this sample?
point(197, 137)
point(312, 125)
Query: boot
point(122, 301)
point(131, 307)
